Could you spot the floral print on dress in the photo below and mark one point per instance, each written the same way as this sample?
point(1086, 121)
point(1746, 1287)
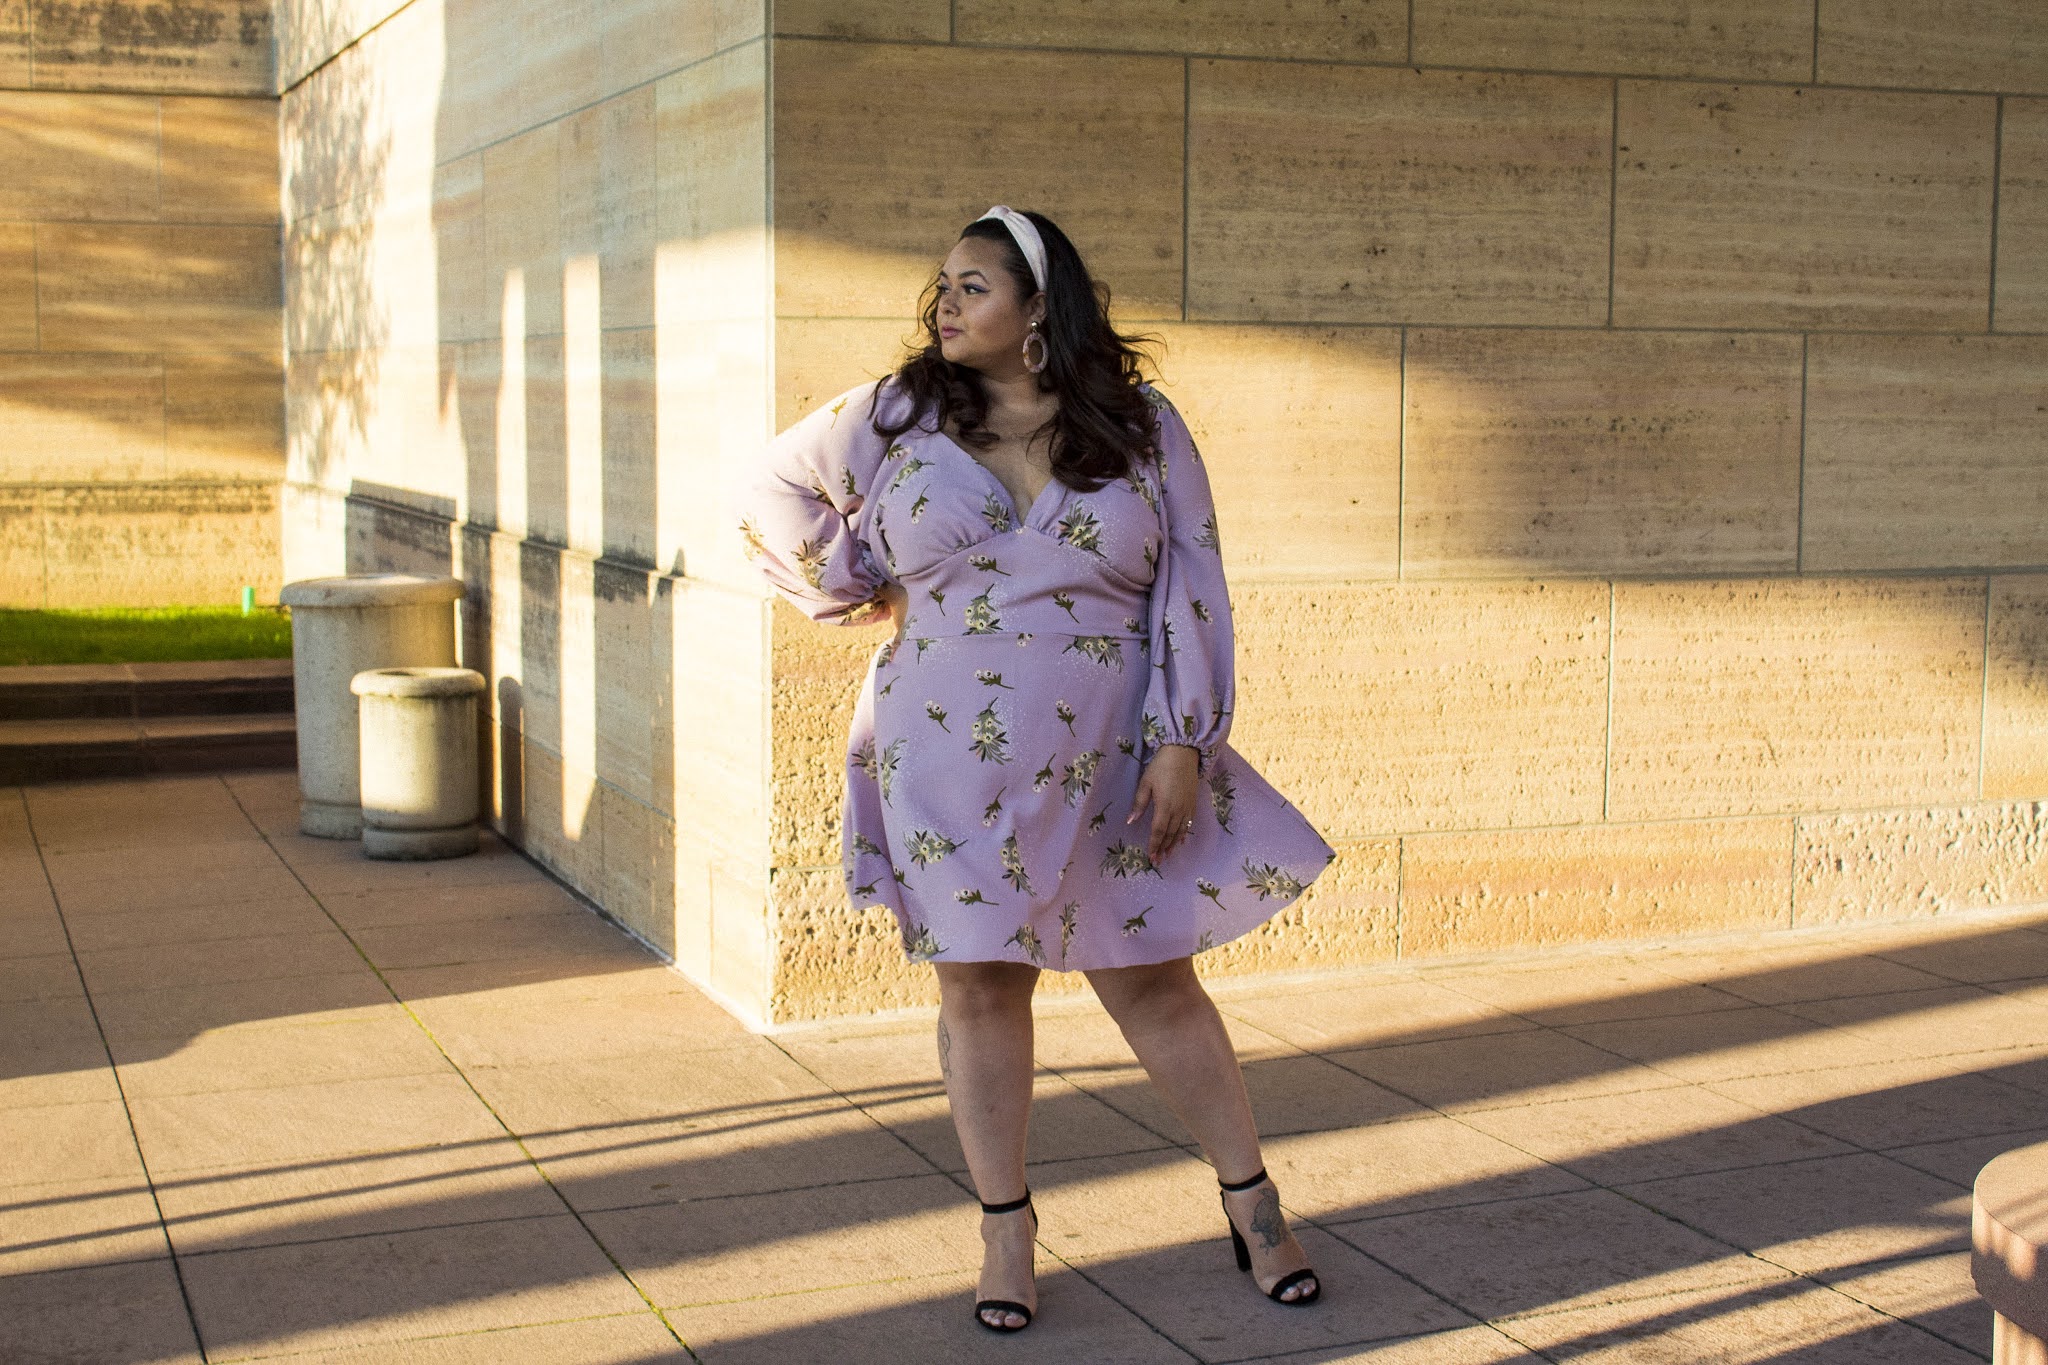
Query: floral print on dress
point(1055, 649)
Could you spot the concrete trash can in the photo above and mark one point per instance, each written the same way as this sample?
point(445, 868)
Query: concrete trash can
point(341, 626)
point(419, 779)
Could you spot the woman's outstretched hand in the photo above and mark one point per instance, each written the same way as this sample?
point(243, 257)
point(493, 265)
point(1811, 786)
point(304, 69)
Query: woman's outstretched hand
point(1168, 784)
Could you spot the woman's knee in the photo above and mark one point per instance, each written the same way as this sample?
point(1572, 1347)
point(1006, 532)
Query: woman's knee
point(1156, 991)
point(985, 989)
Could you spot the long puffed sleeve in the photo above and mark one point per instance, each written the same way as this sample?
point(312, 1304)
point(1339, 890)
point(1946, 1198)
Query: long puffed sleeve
point(801, 513)
point(1193, 687)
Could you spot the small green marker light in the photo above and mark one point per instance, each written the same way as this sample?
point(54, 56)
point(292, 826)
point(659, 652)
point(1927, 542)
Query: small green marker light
point(248, 600)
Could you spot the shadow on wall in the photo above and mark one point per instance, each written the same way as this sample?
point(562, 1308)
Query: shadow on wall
point(335, 174)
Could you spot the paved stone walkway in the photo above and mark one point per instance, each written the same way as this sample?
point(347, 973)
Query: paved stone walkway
point(261, 1098)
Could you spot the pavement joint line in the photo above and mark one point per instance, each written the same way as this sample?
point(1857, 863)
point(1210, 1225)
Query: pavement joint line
point(442, 1336)
point(114, 1072)
point(488, 1107)
point(197, 1253)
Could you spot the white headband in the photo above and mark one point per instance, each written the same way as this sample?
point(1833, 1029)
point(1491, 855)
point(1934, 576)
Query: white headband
point(1025, 232)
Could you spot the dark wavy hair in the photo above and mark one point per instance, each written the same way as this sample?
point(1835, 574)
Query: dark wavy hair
point(1104, 425)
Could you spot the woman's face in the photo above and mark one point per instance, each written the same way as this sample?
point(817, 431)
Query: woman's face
point(983, 317)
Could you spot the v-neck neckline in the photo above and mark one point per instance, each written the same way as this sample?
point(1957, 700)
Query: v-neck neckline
point(1022, 520)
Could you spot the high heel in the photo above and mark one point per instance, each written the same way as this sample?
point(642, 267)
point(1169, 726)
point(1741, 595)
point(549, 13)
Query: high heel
point(1244, 1253)
point(1006, 1305)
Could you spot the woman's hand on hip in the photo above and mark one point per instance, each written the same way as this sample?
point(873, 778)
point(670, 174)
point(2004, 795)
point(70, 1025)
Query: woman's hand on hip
point(1169, 785)
point(896, 605)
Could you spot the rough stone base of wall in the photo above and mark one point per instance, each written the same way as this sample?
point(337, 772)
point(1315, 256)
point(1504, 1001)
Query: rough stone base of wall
point(138, 544)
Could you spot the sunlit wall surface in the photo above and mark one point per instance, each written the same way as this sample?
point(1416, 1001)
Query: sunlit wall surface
point(1629, 423)
point(141, 389)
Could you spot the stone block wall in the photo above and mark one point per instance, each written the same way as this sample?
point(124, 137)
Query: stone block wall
point(1626, 419)
point(141, 376)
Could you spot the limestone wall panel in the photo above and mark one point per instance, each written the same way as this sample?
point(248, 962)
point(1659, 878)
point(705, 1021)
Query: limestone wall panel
point(17, 66)
point(1352, 194)
point(817, 672)
point(646, 39)
point(1520, 889)
point(80, 418)
point(630, 697)
point(610, 201)
point(1600, 452)
point(17, 287)
point(717, 659)
point(869, 197)
point(1776, 206)
point(22, 553)
point(638, 883)
point(220, 160)
point(1300, 428)
point(523, 226)
point(1894, 864)
point(311, 32)
point(207, 47)
point(169, 288)
point(470, 302)
point(711, 161)
point(1731, 39)
point(2016, 690)
point(223, 416)
point(1389, 708)
point(78, 157)
point(928, 21)
point(816, 359)
point(631, 477)
point(159, 544)
point(1316, 30)
point(1925, 452)
point(1935, 44)
point(2022, 292)
point(1781, 695)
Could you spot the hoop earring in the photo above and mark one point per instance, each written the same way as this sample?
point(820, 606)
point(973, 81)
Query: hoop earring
point(1044, 351)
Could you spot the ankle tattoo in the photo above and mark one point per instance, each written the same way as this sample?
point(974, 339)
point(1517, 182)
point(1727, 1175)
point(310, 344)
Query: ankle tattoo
point(1266, 1219)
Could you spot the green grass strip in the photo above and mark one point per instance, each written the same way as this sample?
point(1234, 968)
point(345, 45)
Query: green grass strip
point(134, 635)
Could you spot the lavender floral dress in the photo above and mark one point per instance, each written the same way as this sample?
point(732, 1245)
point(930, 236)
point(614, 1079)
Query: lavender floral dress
point(1049, 652)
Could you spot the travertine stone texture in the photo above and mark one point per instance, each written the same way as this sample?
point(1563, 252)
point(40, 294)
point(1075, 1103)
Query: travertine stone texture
point(1469, 893)
point(16, 65)
point(1734, 698)
point(134, 288)
point(1935, 44)
point(1318, 30)
point(1731, 39)
point(309, 32)
point(869, 194)
point(928, 21)
point(81, 418)
point(816, 671)
point(17, 287)
point(2016, 689)
point(156, 544)
point(1776, 206)
point(196, 46)
point(220, 161)
point(1600, 452)
point(1341, 194)
point(223, 415)
point(1925, 452)
point(1891, 864)
point(1300, 428)
point(1350, 915)
point(1384, 709)
point(2021, 304)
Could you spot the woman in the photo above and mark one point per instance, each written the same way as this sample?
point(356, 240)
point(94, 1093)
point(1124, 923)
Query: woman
point(1037, 524)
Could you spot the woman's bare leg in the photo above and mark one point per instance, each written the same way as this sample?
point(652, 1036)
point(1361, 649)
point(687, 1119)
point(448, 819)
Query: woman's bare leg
point(1173, 1027)
point(985, 1056)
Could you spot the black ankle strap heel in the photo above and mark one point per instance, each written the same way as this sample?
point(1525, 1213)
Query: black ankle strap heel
point(1244, 1254)
point(1006, 1305)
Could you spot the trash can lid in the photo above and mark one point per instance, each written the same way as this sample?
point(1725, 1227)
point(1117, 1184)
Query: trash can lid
point(372, 590)
point(417, 682)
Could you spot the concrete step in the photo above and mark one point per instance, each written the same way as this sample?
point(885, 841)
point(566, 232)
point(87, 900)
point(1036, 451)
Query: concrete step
point(138, 691)
point(64, 750)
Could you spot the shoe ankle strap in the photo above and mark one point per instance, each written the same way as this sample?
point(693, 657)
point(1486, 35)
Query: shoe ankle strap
point(1010, 1207)
point(1241, 1186)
